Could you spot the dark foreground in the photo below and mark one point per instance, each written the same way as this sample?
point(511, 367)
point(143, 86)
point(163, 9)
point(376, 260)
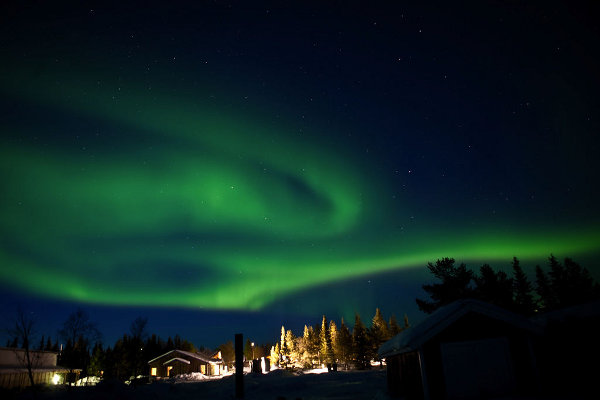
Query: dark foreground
point(277, 385)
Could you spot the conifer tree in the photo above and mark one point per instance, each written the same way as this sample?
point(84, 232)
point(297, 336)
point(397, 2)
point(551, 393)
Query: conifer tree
point(394, 327)
point(523, 300)
point(274, 357)
point(248, 349)
point(494, 287)
point(547, 299)
point(284, 349)
point(304, 348)
point(290, 342)
point(313, 345)
point(333, 332)
point(379, 328)
point(379, 332)
point(455, 284)
point(360, 344)
point(344, 344)
point(326, 349)
point(96, 361)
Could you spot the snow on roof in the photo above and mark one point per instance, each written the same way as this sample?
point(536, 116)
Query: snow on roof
point(581, 311)
point(176, 359)
point(188, 354)
point(414, 337)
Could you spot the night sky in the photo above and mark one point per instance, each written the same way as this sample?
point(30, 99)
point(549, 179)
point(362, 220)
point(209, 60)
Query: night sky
point(226, 167)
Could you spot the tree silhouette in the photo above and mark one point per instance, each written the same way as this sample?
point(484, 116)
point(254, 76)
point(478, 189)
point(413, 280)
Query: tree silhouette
point(78, 332)
point(522, 289)
point(379, 332)
point(564, 285)
point(394, 327)
point(360, 344)
point(494, 287)
point(343, 344)
point(455, 284)
point(23, 330)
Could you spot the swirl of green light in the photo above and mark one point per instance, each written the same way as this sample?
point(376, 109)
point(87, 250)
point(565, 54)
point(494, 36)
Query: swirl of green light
point(201, 207)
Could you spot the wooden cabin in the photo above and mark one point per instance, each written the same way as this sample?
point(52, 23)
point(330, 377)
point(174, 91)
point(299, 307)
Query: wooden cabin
point(465, 350)
point(177, 362)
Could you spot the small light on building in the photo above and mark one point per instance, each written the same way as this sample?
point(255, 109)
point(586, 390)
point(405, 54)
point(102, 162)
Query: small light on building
point(56, 379)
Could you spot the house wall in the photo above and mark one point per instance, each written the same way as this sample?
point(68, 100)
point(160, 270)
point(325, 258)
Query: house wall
point(404, 376)
point(474, 327)
point(21, 379)
point(567, 357)
point(16, 357)
point(195, 365)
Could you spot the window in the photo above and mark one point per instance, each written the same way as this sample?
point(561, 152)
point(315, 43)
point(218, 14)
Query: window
point(169, 368)
point(153, 371)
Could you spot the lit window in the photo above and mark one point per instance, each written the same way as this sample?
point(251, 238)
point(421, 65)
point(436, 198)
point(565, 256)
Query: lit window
point(153, 371)
point(169, 368)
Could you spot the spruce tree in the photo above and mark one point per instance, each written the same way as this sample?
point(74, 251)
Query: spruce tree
point(344, 344)
point(333, 333)
point(547, 299)
point(305, 351)
point(326, 349)
point(290, 342)
point(494, 287)
point(360, 344)
point(275, 354)
point(406, 323)
point(394, 327)
point(96, 361)
point(523, 300)
point(248, 349)
point(379, 332)
point(284, 350)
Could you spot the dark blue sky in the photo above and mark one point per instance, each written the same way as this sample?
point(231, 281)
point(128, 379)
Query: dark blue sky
point(231, 166)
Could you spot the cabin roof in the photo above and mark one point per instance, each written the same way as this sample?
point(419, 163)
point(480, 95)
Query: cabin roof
point(183, 360)
point(414, 337)
point(173, 354)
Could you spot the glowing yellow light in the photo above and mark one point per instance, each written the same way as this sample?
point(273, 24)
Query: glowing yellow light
point(56, 379)
point(153, 371)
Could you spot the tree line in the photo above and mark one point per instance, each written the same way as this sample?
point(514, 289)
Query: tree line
point(83, 349)
point(562, 285)
point(327, 343)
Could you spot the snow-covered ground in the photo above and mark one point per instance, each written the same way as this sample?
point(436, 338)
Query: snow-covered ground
point(276, 385)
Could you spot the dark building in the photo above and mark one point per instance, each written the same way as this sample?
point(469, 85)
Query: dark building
point(468, 350)
point(14, 373)
point(177, 362)
point(569, 351)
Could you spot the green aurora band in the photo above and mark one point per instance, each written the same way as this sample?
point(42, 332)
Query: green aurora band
point(203, 206)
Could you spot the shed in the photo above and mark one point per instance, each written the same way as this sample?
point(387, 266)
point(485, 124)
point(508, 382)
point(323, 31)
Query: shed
point(177, 362)
point(467, 349)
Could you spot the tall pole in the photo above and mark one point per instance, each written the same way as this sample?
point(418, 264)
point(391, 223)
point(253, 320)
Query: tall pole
point(239, 366)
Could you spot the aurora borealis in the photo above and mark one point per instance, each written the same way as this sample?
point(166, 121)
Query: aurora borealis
point(227, 156)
